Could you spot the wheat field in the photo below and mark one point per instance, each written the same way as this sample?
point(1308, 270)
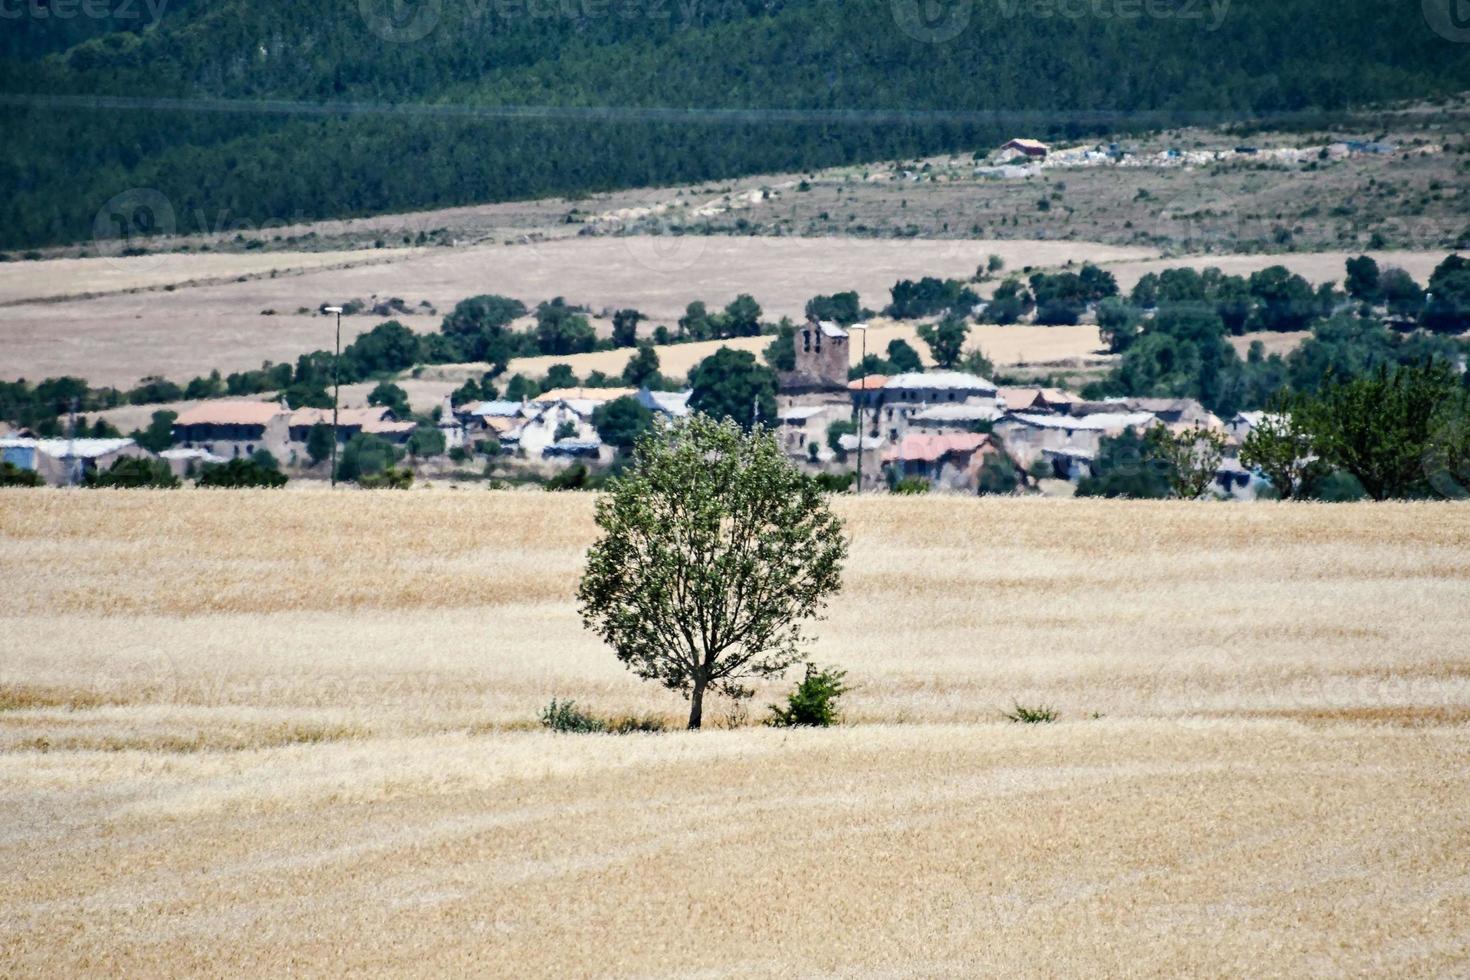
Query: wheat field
point(282, 732)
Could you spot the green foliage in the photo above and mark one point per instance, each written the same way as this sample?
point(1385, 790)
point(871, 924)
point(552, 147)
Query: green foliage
point(622, 422)
point(390, 396)
point(561, 329)
point(1127, 466)
point(840, 308)
point(135, 472)
point(1281, 448)
point(574, 477)
point(813, 704)
point(1380, 427)
point(641, 371)
point(1030, 715)
point(910, 486)
point(998, 475)
point(625, 327)
point(560, 376)
point(731, 384)
point(929, 296)
point(714, 551)
point(15, 476)
point(1285, 300)
point(1062, 297)
point(902, 358)
point(1119, 323)
point(1448, 309)
point(1363, 279)
point(426, 440)
point(566, 429)
point(946, 339)
point(1190, 458)
point(834, 482)
point(319, 442)
point(780, 354)
point(566, 717)
point(365, 455)
point(391, 478)
point(1011, 301)
point(160, 432)
point(240, 473)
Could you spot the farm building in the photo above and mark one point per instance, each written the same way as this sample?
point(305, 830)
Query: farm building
point(1022, 149)
point(949, 461)
point(233, 428)
point(64, 462)
point(1029, 437)
point(375, 420)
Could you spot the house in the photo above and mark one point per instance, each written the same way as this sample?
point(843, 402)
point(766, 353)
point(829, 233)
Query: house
point(188, 462)
point(232, 428)
point(66, 462)
point(949, 461)
point(1028, 149)
point(1037, 400)
point(1028, 437)
point(670, 404)
point(867, 392)
point(594, 396)
point(906, 394)
point(375, 420)
point(960, 417)
point(549, 425)
point(1242, 424)
point(1170, 410)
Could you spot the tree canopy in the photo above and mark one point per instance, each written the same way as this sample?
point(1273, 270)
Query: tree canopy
point(714, 553)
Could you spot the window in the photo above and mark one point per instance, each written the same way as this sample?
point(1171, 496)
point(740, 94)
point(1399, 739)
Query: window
point(806, 341)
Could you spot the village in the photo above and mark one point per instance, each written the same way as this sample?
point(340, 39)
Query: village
point(921, 431)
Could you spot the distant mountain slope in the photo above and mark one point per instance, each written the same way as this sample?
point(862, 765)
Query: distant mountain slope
point(62, 163)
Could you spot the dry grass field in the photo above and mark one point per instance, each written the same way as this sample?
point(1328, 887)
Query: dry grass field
point(267, 732)
point(191, 329)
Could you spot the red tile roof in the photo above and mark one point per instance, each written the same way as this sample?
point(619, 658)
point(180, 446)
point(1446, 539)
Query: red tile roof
point(927, 448)
point(226, 412)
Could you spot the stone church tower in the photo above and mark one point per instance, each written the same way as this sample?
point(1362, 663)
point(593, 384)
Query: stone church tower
point(821, 359)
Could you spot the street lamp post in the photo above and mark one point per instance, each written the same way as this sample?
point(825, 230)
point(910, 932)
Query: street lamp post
point(862, 397)
point(336, 385)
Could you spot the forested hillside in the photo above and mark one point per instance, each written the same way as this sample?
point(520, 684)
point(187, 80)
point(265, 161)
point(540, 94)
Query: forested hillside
point(60, 163)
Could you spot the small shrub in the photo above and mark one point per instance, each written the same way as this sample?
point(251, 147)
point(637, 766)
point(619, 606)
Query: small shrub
point(911, 485)
point(814, 702)
point(1025, 715)
point(15, 476)
point(563, 716)
point(393, 478)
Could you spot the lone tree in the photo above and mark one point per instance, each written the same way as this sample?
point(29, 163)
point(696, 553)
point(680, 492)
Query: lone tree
point(714, 550)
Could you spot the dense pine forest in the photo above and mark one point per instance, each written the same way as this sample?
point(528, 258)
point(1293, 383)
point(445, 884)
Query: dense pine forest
point(823, 83)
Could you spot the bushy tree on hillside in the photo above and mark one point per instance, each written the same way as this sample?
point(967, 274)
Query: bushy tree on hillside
point(731, 384)
point(945, 339)
point(714, 552)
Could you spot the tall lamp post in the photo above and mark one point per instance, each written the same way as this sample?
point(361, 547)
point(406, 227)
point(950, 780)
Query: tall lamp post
point(862, 398)
point(336, 385)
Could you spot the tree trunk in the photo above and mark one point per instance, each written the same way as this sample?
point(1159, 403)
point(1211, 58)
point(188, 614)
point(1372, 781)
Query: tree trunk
point(696, 705)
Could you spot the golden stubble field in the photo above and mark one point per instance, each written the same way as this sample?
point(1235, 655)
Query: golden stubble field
point(286, 732)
